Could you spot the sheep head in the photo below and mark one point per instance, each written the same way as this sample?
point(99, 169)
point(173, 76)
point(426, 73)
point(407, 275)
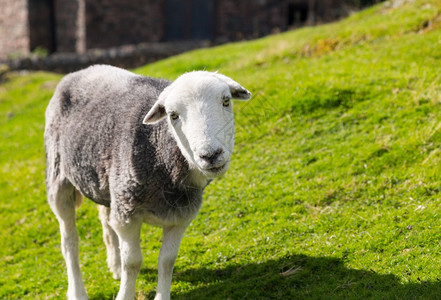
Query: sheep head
point(199, 112)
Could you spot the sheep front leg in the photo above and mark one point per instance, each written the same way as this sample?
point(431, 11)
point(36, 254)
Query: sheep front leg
point(131, 255)
point(171, 241)
point(61, 197)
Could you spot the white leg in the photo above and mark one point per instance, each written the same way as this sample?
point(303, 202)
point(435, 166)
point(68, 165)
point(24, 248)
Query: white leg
point(112, 243)
point(171, 241)
point(131, 256)
point(61, 197)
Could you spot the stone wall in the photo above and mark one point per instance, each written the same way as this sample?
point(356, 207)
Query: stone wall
point(129, 56)
point(73, 26)
point(14, 34)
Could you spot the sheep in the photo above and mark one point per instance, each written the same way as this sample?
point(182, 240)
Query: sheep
point(144, 149)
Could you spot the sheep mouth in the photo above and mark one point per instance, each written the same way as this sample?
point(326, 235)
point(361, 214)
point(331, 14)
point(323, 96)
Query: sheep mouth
point(215, 170)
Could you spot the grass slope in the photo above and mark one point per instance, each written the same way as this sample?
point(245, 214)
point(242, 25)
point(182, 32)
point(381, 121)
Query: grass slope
point(334, 187)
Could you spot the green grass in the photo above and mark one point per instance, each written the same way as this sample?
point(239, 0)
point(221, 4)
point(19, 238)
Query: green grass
point(334, 188)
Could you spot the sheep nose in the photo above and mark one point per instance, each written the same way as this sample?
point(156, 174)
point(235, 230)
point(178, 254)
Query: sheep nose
point(212, 156)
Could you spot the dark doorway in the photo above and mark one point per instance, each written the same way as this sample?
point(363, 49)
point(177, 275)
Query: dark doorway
point(298, 13)
point(189, 19)
point(42, 25)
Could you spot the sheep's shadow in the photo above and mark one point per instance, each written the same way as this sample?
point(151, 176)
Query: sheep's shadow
point(299, 277)
point(292, 277)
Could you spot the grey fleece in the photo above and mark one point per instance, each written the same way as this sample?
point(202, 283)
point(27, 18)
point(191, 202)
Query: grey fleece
point(95, 140)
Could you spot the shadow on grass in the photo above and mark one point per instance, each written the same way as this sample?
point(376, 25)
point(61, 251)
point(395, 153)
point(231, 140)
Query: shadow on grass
point(299, 277)
point(293, 277)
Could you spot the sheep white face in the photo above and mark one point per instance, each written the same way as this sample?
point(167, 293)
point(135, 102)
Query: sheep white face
point(199, 111)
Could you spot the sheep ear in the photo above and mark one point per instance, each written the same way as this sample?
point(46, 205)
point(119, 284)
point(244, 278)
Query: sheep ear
point(156, 113)
point(237, 91)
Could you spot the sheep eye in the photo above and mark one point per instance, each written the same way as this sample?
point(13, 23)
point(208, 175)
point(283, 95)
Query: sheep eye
point(226, 102)
point(174, 116)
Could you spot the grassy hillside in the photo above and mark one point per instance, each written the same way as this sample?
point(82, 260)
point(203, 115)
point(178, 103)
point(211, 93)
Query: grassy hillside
point(334, 188)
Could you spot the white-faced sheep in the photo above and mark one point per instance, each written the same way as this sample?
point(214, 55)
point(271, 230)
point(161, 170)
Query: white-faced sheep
point(142, 148)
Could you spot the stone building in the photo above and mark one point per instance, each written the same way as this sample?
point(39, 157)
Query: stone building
point(78, 25)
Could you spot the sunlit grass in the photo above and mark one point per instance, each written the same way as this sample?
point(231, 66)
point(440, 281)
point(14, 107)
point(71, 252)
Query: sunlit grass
point(334, 187)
